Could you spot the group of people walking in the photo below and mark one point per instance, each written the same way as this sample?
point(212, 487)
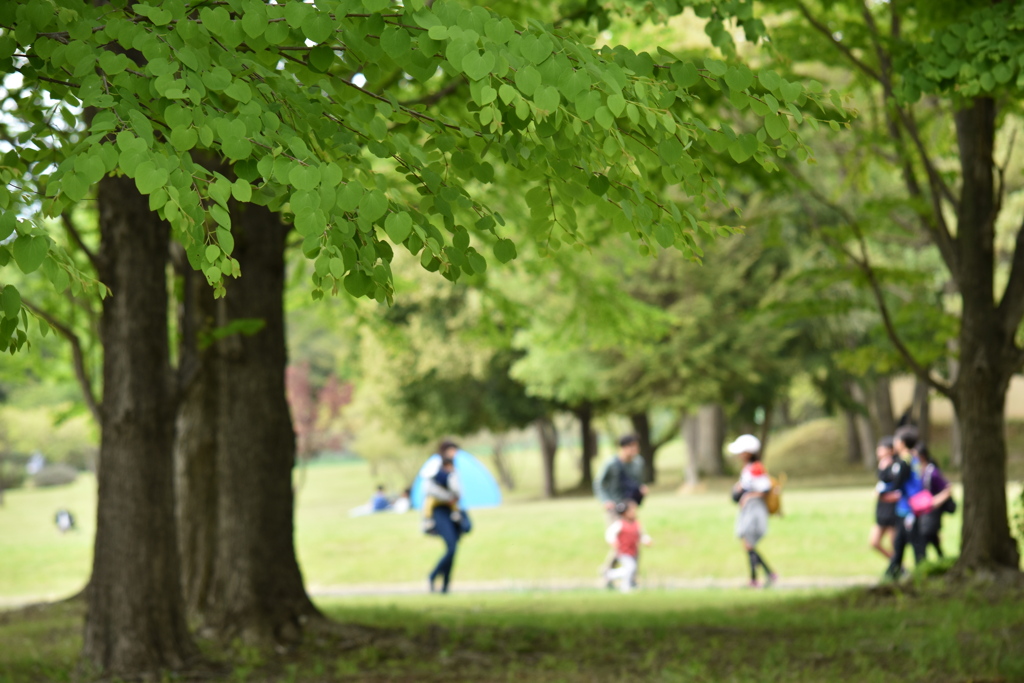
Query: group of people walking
point(619, 488)
point(913, 495)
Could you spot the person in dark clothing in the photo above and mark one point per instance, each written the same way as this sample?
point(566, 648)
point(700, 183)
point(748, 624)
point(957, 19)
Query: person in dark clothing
point(938, 487)
point(908, 482)
point(885, 509)
point(446, 500)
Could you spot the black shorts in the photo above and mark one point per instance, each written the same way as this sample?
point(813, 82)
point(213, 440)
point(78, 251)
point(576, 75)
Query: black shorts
point(885, 514)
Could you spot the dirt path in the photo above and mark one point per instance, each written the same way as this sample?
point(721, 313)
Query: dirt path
point(557, 585)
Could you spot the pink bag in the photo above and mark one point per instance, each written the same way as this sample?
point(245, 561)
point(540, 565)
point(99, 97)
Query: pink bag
point(921, 502)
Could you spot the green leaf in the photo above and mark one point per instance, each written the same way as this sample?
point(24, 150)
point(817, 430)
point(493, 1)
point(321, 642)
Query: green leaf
point(241, 190)
point(226, 240)
point(212, 253)
point(184, 139)
point(11, 301)
point(743, 147)
point(547, 98)
point(357, 283)
point(528, 79)
point(8, 222)
point(477, 65)
point(716, 67)
point(739, 77)
point(395, 41)
point(504, 250)
point(148, 178)
point(320, 59)
point(776, 125)
point(373, 205)
point(304, 177)
point(769, 80)
point(791, 91)
point(318, 26)
point(685, 74)
point(398, 226)
point(616, 104)
point(239, 90)
point(30, 252)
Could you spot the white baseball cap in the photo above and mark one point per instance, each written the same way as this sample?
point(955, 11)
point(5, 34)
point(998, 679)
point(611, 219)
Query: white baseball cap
point(747, 443)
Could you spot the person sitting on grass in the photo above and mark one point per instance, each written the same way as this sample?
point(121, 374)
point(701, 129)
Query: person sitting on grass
point(625, 536)
point(444, 481)
point(379, 502)
point(749, 492)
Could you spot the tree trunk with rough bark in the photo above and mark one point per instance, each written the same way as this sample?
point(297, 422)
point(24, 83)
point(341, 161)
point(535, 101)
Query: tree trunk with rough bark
point(259, 592)
point(862, 426)
point(588, 445)
point(135, 619)
point(195, 448)
point(547, 433)
point(988, 354)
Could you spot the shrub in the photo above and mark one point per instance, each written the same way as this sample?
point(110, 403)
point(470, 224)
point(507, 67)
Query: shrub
point(12, 474)
point(55, 475)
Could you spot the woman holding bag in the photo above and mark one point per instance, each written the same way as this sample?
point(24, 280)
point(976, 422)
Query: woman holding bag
point(935, 498)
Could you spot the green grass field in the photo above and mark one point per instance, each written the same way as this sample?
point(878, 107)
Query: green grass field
point(665, 636)
point(822, 535)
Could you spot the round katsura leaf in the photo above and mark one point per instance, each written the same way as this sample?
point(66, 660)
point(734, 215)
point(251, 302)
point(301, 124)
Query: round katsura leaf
point(373, 205)
point(30, 252)
point(395, 41)
point(477, 65)
point(212, 253)
point(149, 178)
point(398, 226)
point(685, 75)
point(528, 79)
point(739, 77)
point(743, 147)
point(358, 283)
point(504, 250)
point(241, 190)
point(776, 125)
point(304, 177)
point(321, 58)
point(616, 104)
point(184, 139)
point(547, 98)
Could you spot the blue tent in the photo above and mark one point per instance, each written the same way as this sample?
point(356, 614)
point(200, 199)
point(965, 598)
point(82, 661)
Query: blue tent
point(479, 489)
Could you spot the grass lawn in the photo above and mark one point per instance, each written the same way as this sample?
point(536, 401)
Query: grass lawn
point(731, 635)
point(822, 535)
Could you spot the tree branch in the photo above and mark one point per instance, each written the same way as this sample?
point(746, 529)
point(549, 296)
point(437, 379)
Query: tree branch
point(847, 52)
point(76, 237)
point(670, 433)
point(435, 97)
point(864, 264)
point(77, 356)
point(1011, 308)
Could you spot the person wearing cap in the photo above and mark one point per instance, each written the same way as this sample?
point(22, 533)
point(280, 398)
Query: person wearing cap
point(890, 471)
point(620, 480)
point(749, 491)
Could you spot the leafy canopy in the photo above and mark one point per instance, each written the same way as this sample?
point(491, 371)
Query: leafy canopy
point(207, 103)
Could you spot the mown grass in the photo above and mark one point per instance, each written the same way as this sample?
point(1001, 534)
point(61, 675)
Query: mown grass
point(822, 535)
point(581, 636)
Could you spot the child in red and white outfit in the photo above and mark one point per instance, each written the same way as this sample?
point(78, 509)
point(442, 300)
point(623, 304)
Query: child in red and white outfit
point(625, 535)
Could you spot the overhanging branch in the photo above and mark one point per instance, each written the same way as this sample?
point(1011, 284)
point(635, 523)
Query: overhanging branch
point(78, 357)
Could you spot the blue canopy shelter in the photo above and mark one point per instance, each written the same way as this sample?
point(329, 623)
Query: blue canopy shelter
point(479, 489)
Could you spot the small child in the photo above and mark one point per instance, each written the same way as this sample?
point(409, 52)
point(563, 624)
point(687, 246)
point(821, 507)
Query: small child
point(445, 478)
point(625, 535)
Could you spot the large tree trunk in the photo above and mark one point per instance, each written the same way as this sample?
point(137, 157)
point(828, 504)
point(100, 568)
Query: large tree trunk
point(642, 428)
point(852, 437)
point(711, 439)
point(259, 590)
point(987, 353)
point(135, 620)
point(548, 435)
point(195, 449)
point(588, 445)
point(508, 480)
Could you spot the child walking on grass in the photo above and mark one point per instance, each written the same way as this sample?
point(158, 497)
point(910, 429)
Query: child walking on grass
point(625, 536)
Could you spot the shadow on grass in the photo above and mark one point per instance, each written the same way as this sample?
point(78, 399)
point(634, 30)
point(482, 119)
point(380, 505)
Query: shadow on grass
point(925, 632)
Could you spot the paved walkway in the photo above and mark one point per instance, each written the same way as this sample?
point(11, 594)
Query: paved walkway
point(558, 585)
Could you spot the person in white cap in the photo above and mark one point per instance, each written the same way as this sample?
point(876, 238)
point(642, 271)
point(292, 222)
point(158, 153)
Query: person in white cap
point(749, 491)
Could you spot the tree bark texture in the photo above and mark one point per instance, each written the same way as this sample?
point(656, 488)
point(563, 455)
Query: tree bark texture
point(922, 409)
point(259, 594)
point(135, 619)
point(711, 439)
point(588, 445)
point(195, 448)
point(642, 428)
point(547, 433)
point(988, 354)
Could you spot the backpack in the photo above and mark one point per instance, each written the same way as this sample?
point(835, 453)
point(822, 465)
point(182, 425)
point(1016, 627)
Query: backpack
point(773, 498)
